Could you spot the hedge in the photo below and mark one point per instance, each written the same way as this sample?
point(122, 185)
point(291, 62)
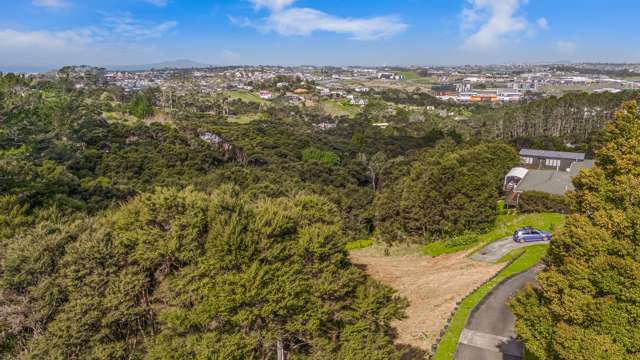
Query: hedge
point(536, 201)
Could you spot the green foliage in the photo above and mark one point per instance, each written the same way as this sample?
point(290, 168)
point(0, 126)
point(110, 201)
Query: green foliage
point(446, 192)
point(535, 202)
point(587, 304)
point(323, 156)
point(358, 244)
point(184, 274)
point(573, 117)
point(140, 105)
point(449, 343)
point(501, 207)
point(451, 245)
point(13, 216)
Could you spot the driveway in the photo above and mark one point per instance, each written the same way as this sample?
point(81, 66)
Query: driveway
point(494, 251)
point(490, 332)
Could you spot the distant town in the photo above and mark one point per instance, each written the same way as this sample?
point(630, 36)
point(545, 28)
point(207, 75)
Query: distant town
point(464, 84)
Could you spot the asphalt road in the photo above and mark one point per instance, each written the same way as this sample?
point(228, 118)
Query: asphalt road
point(490, 332)
point(494, 251)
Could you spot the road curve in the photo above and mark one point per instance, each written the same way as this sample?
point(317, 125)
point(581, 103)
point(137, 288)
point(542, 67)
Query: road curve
point(489, 333)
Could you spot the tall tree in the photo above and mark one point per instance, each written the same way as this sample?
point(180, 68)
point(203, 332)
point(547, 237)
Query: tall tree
point(446, 191)
point(588, 302)
point(187, 275)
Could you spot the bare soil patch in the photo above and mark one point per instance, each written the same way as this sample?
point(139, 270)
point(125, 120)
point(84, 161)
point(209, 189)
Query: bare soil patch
point(432, 285)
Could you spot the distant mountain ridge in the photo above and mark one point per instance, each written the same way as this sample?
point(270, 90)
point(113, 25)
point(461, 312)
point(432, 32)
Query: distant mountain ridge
point(174, 64)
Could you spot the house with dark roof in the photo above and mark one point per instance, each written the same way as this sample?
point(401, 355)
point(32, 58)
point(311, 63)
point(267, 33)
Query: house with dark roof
point(545, 159)
point(544, 171)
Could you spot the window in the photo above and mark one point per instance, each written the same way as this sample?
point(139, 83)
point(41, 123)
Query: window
point(526, 160)
point(552, 162)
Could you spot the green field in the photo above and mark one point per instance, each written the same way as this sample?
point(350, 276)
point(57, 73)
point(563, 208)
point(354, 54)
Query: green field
point(243, 119)
point(245, 96)
point(505, 226)
point(409, 75)
point(339, 108)
point(120, 117)
point(447, 347)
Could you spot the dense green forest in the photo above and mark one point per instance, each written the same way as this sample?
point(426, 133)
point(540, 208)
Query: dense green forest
point(184, 274)
point(133, 232)
point(588, 302)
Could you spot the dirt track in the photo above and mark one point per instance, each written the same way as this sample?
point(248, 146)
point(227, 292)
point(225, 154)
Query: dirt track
point(432, 285)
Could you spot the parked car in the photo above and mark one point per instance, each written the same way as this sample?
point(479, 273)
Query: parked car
point(530, 234)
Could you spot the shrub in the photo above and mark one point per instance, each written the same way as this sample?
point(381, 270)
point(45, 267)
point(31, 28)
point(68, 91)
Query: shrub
point(501, 208)
point(463, 240)
point(324, 156)
point(536, 202)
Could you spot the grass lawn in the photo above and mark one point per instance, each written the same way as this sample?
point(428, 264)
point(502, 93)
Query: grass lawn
point(339, 108)
point(409, 75)
point(505, 226)
point(447, 347)
point(246, 96)
point(513, 254)
point(243, 119)
point(121, 117)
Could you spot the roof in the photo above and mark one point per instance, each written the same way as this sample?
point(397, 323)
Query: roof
point(549, 181)
point(577, 166)
point(552, 154)
point(518, 172)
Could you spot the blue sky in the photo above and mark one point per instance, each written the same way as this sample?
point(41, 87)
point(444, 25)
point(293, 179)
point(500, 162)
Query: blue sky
point(323, 32)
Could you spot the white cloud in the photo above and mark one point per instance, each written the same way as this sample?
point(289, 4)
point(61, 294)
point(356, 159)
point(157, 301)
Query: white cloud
point(51, 4)
point(287, 20)
point(116, 35)
point(488, 22)
point(126, 27)
point(12, 39)
point(159, 3)
point(543, 24)
point(273, 5)
point(566, 47)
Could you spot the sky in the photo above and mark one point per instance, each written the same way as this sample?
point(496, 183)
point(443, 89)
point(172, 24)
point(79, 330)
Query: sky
point(317, 32)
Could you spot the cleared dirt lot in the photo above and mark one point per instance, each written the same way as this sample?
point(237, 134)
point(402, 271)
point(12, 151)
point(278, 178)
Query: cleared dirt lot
point(432, 285)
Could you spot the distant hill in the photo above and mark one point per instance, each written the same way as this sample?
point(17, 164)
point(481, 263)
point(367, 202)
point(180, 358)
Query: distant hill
point(175, 64)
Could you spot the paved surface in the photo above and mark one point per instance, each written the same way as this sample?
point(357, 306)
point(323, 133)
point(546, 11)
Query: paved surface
point(494, 251)
point(490, 332)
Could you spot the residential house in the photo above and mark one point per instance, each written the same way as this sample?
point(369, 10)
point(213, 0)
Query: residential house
point(359, 101)
point(545, 159)
point(266, 95)
point(323, 91)
point(545, 171)
point(295, 99)
point(390, 76)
